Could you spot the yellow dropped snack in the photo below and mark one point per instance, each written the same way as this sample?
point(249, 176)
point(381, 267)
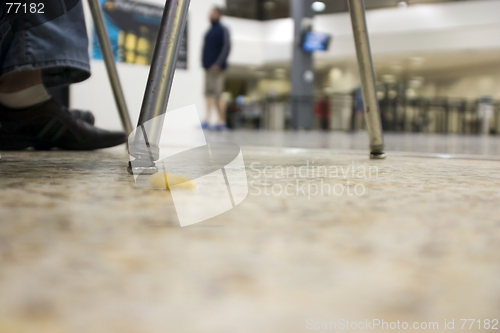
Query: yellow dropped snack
point(159, 181)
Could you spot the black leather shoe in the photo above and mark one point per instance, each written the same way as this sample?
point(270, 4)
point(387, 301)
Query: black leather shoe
point(50, 125)
point(86, 116)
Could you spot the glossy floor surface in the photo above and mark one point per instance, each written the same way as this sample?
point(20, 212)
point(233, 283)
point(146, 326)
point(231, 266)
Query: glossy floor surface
point(422, 143)
point(323, 236)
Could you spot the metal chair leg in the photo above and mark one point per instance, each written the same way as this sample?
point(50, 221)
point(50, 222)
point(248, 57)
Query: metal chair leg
point(368, 83)
point(107, 54)
point(145, 148)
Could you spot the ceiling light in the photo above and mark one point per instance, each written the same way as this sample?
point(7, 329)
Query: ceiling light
point(402, 4)
point(318, 6)
point(335, 74)
point(410, 93)
point(416, 61)
point(388, 78)
point(279, 73)
point(416, 82)
point(397, 67)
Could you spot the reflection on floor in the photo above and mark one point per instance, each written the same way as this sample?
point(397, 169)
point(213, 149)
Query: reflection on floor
point(82, 249)
point(395, 142)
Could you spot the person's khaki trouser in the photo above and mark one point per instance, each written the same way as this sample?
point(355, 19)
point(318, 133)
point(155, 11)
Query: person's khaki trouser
point(214, 83)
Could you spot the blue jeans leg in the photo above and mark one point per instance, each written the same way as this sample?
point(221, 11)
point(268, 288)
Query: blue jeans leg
point(58, 47)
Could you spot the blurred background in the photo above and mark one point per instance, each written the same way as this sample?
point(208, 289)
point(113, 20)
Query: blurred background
point(84, 250)
point(437, 64)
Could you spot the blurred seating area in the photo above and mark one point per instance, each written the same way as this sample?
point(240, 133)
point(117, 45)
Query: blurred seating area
point(419, 115)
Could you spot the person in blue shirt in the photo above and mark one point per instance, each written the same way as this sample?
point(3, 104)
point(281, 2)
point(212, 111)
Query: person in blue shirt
point(216, 48)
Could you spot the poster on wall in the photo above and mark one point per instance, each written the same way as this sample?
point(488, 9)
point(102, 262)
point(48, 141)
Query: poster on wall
point(133, 28)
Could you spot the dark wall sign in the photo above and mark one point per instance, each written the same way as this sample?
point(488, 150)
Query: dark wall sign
point(133, 28)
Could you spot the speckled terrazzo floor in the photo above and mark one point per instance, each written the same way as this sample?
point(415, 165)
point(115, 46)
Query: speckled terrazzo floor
point(84, 250)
